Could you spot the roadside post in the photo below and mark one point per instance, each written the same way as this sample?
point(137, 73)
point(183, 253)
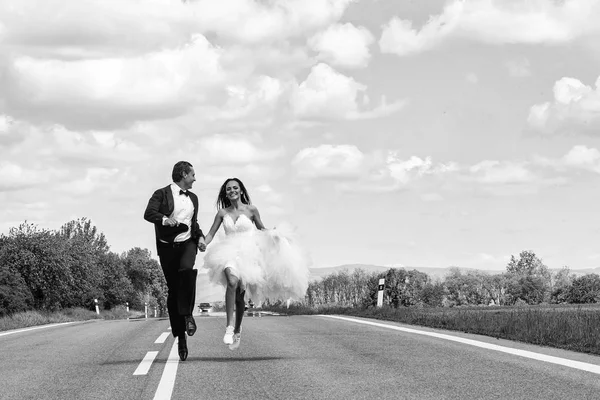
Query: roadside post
point(155, 312)
point(127, 308)
point(97, 308)
point(145, 310)
point(380, 292)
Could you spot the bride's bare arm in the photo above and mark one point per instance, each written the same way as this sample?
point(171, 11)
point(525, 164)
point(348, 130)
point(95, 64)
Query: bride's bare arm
point(215, 227)
point(256, 218)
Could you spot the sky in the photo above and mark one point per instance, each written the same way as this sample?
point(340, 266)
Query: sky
point(400, 133)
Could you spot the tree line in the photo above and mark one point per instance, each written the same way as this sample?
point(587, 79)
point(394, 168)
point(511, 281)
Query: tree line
point(526, 281)
point(49, 270)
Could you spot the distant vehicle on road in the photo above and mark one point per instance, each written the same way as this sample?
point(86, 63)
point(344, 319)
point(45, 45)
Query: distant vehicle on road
point(205, 307)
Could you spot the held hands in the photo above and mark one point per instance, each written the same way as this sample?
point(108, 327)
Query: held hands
point(202, 245)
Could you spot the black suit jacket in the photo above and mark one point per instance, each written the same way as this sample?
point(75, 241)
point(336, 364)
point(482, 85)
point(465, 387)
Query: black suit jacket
point(161, 205)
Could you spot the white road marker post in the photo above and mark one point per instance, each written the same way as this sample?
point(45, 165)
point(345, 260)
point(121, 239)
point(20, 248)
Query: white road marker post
point(155, 312)
point(127, 308)
point(380, 292)
point(145, 310)
point(97, 309)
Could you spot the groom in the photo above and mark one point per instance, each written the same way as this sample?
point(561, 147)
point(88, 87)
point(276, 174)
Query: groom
point(174, 212)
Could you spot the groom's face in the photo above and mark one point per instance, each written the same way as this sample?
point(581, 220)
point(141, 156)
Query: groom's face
point(189, 179)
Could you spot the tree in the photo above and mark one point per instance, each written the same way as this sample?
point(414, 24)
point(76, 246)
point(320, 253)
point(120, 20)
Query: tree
point(15, 296)
point(38, 256)
point(585, 289)
point(433, 294)
point(529, 279)
point(561, 286)
point(144, 274)
point(84, 248)
point(116, 286)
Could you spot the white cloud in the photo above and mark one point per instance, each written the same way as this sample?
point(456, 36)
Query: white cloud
point(519, 68)
point(505, 172)
point(257, 99)
point(234, 149)
point(400, 38)
point(252, 21)
point(343, 45)
point(495, 22)
point(13, 176)
point(92, 181)
point(328, 161)
point(404, 170)
point(574, 109)
point(580, 157)
point(269, 194)
point(359, 172)
point(5, 123)
point(327, 94)
point(583, 157)
point(472, 78)
point(108, 28)
point(109, 91)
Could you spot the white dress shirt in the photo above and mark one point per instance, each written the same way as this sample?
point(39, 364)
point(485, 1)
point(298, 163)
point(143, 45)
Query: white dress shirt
point(183, 211)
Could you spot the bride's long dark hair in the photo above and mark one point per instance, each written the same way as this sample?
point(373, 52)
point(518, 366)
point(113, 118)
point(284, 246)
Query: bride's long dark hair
point(223, 201)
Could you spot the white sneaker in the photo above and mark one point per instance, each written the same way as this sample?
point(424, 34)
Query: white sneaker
point(237, 338)
point(228, 338)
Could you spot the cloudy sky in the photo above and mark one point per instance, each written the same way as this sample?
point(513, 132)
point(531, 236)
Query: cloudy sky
point(417, 133)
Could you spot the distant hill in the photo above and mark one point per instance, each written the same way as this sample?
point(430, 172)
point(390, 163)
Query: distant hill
point(317, 273)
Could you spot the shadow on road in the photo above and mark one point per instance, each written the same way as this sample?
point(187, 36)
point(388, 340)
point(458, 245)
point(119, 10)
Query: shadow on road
point(203, 359)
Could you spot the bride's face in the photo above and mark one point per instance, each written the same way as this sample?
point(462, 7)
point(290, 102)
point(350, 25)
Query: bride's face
point(232, 190)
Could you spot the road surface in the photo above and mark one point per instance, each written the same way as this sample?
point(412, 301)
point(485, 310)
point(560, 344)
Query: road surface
point(281, 357)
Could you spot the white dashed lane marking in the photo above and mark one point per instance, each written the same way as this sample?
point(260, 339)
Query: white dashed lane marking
point(162, 337)
point(167, 381)
point(146, 363)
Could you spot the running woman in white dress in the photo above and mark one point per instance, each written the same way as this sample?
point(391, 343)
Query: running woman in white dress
point(266, 263)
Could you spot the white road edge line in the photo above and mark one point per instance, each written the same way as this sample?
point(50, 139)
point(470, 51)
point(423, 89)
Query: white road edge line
point(146, 363)
point(36, 327)
point(163, 336)
point(593, 368)
point(167, 381)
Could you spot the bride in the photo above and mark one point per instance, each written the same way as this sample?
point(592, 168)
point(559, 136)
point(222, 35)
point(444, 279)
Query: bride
point(266, 263)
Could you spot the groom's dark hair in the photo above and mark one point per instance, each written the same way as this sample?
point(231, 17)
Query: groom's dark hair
point(182, 167)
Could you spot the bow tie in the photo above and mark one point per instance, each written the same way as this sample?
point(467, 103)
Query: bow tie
point(185, 193)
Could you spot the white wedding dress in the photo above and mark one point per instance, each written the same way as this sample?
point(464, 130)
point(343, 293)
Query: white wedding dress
point(270, 263)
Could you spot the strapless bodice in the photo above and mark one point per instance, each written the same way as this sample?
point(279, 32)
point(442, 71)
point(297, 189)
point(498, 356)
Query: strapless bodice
point(242, 224)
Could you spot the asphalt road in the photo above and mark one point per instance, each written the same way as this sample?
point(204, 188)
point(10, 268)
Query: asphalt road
point(281, 357)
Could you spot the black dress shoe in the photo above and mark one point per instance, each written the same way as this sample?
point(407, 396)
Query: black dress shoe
point(182, 347)
point(190, 325)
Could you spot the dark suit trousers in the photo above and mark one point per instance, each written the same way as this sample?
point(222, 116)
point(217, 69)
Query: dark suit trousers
point(178, 266)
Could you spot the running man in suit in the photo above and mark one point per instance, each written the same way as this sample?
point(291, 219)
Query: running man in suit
point(173, 210)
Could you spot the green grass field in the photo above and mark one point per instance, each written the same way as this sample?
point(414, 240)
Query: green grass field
point(571, 327)
point(34, 318)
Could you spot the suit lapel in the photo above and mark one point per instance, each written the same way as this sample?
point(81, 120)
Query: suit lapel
point(194, 201)
point(170, 201)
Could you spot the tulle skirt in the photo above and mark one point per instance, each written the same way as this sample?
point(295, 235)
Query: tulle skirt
point(270, 264)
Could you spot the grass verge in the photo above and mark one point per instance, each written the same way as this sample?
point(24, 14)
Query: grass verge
point(575, 328)
point(34, 318)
